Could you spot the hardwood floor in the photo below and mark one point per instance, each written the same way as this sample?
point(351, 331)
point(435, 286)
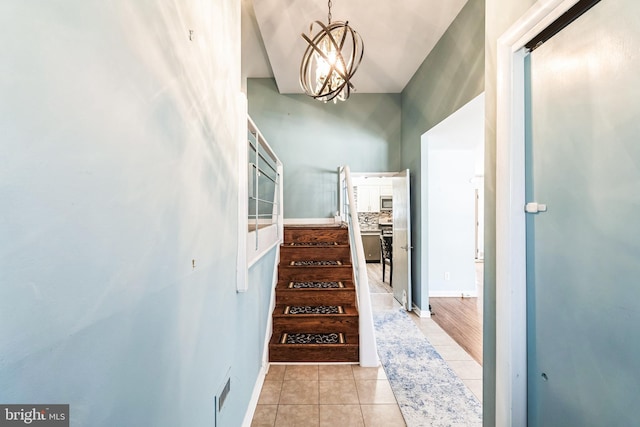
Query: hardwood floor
point(461, 318)
point(376, 285)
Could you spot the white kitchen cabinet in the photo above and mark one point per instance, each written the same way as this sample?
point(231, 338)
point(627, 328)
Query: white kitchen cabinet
point(386, 190)
point(368, 198)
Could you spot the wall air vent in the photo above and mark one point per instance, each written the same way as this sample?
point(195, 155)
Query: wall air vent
point(219, 401)
point(223, 394)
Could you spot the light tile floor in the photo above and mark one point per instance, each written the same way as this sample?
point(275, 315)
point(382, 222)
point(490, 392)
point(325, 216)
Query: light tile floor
point(349, 395)
point(326, 395)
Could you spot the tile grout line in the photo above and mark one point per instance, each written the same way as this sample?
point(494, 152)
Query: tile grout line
point(355, 384)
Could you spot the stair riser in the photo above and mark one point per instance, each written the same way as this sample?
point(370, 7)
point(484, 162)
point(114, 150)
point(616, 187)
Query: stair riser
point(315, 297)
point(298, 235)
point(313, 253)
point(309, 353)
point(311, 273)
point(320, 324)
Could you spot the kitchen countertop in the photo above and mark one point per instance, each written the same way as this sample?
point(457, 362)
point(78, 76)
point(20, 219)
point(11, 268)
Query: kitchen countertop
point(370, 231)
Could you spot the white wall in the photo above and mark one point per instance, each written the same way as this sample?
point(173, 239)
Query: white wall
point(453, 151)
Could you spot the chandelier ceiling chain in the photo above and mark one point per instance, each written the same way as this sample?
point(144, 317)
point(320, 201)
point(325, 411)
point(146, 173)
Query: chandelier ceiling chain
point(331, 58)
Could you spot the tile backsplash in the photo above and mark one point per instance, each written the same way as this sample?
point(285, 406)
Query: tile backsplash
point(369, 220)
point(386, 216)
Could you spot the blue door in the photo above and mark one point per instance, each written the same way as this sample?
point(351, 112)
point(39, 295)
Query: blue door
point(583, 253)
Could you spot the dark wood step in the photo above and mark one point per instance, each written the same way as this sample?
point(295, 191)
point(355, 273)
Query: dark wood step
point(298, 234)
point(307, 273)
point(323, 255)
point(345, 322)
point(347, 352)
point(290, 253)
point(318, 284)
point(345, 295)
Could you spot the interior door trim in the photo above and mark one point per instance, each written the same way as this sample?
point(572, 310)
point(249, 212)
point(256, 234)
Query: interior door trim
point(576, 11)
point(511, 297)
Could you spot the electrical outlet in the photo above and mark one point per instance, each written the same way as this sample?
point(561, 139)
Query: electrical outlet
point(447, 275)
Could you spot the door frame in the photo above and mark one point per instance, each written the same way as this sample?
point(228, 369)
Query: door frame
point(511, 296)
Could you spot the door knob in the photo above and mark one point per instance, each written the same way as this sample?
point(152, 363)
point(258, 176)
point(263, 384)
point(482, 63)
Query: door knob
point(534, 207)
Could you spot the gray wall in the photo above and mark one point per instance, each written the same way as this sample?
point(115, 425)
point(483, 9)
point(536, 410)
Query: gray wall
point(451, 76)
point(119, 167)
point(312, 139)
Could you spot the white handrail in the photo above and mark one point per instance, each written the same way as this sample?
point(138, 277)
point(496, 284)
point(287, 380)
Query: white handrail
point(368, 347)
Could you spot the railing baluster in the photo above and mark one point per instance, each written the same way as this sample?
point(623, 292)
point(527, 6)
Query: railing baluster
point(265, 176)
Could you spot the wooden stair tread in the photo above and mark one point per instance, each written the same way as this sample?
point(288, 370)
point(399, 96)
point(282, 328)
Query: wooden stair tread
point(314, 244)
point(315, 263)
point(346, 311)
point(344, 352)
point(309, 285)
point(349, 339)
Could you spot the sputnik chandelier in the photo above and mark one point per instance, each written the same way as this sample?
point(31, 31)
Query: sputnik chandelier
point(332, 57)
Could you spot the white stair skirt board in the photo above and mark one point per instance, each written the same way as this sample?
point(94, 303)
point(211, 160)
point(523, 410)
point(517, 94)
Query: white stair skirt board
point(267, 238)
point(264, 368)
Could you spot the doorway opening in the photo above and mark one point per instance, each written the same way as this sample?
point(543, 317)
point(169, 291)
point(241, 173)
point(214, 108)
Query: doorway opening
point(453, 224)
point(383, 204)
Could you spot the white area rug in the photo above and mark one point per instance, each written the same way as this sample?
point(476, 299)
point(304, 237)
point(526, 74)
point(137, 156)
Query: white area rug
point(428, 391)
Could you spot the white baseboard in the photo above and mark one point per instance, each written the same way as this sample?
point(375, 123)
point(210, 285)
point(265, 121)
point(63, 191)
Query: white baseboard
point(309, 221)
point(253, 403)
point(447, 294)
point(420, 313)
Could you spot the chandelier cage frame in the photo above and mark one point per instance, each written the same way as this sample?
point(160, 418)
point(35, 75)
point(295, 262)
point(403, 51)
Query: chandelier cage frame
point(336, 84)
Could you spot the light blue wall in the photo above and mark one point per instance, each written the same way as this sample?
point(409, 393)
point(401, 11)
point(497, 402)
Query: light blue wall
point(582, 254)
point(451, 76)
point(252, 313)
point(118, 167)
point(313, 138)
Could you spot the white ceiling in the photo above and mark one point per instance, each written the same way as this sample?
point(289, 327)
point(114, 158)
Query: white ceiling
point(397, 35)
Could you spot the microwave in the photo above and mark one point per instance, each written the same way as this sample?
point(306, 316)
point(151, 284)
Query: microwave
point(386, 203)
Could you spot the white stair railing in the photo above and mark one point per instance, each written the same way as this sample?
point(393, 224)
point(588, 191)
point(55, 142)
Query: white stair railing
point(265, 208)
point(349, 214)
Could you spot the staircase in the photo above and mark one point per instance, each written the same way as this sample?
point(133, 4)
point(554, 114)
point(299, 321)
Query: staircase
point(316, 315)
